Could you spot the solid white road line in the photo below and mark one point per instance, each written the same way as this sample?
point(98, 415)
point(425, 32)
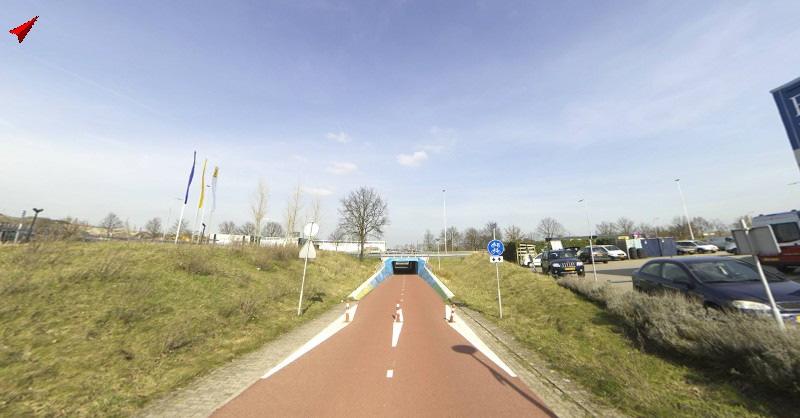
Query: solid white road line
point(396, 328)
point(462, 328)
point(326, 333)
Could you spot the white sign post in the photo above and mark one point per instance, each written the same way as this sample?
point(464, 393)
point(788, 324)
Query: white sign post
point(496, 249)
point(307, 252)
point(760, 241)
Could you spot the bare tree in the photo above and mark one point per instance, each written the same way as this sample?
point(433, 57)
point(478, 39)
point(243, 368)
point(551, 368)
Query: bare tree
point(248, 228)
point(625, 225)
point(227, 227)
point(292, 209)
point(363, 214)
point(111, 223)
point(550, 228)
point(514, 233)
point(453, 238)
point(338, 235)
point(174, 228)
point(315, 210)
point(272, 229)
point(429, 241)
point(606, 229)
point(491, 231)
point(472, 239)
point(258, 206)
point(153, 227)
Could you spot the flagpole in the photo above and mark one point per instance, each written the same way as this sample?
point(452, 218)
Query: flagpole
point(180, 221)
point(186, 198)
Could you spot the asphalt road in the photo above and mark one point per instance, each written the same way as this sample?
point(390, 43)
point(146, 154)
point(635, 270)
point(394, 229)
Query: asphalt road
point(432, 371)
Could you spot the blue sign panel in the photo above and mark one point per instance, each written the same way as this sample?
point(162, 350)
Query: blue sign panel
point(787, 97)
point(495, 247)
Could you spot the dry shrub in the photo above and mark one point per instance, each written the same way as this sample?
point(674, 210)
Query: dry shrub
point(196, 260)
point(745, 344)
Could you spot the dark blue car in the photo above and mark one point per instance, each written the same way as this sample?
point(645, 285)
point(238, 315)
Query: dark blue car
point(720, 282)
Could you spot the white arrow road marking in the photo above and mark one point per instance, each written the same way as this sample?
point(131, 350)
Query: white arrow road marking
point(326, 333)
point(396, 328)
point(473, 339)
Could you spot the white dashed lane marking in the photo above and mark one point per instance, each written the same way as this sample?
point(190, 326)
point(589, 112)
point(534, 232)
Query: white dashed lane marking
point(390, 373)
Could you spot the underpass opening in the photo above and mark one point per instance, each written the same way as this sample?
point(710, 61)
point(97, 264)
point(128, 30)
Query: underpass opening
point(404, 267)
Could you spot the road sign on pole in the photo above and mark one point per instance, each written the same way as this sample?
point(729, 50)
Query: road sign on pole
point(787, 97)
point(760, 241)
point(311, 229)
point(496, 249)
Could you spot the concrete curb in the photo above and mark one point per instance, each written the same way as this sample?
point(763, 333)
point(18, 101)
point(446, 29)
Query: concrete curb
point(561, 395)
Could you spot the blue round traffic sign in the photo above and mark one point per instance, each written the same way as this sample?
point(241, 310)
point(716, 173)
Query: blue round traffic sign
point(495, 247)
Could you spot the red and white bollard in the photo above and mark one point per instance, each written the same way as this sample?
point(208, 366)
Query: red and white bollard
point(398, 313)
point(347, 312)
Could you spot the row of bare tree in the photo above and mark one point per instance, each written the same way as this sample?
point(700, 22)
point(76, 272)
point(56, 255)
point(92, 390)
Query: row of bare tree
point(473, 239)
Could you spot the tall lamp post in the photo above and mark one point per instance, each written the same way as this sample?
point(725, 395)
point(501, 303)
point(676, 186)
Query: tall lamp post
point(444, 207)
point(591, 247)
point(685, 211)
point(30, 230)
point(438, 254)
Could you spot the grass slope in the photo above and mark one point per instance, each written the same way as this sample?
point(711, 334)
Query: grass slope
point(581, 340)
point(103, 328)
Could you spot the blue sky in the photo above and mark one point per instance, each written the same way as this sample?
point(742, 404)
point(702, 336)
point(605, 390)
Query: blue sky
point(519, 109)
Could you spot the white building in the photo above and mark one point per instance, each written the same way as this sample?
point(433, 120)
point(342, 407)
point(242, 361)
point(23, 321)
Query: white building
point(228, 239)
point(351, 247)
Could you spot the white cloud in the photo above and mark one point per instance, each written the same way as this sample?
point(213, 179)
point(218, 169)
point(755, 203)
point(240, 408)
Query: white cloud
point(341, 137)
point(412, 160)
point(318, 191)
point(342, 168)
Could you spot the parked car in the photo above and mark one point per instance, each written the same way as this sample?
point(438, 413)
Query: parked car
point(706, 247)
point(719, 282)
point(537, 262)
point(720, 242)
point(614, 252)
point(685, 247)
point(560, 262)
point(600, 255)
point(731, 248)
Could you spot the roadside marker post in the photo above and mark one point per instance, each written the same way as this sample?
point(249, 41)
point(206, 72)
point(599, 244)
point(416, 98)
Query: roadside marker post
point(307, 252)
point(452, 313)
point(496, 249)
point(398, 313)
point(347, 312)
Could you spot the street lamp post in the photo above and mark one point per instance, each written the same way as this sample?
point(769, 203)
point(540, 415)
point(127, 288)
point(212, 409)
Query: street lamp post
point(438, 255)
point(591, 247)
point(444, 207)
point(685, 211)
point(33, 222)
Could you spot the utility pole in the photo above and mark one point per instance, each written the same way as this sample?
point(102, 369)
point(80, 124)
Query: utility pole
point(444, 203)
point(685, 211)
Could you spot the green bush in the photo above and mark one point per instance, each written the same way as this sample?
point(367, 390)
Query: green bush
point(750, 346)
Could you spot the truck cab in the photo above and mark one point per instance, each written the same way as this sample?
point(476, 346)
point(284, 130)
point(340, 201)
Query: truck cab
point(786, 227)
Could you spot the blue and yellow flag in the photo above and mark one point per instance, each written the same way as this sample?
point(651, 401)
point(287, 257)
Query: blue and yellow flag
point(202, 185)
point(191, 175)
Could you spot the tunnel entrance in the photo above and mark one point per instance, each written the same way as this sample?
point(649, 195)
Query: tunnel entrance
point(404, 267)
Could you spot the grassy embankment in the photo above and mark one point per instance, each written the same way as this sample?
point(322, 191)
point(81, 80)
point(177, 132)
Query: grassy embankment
point(589, 345)
point(102, 328)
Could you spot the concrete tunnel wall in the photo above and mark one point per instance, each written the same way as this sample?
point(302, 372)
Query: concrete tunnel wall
point(386, 269)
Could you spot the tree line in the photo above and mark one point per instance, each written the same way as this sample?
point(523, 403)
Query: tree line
point(476, 238)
